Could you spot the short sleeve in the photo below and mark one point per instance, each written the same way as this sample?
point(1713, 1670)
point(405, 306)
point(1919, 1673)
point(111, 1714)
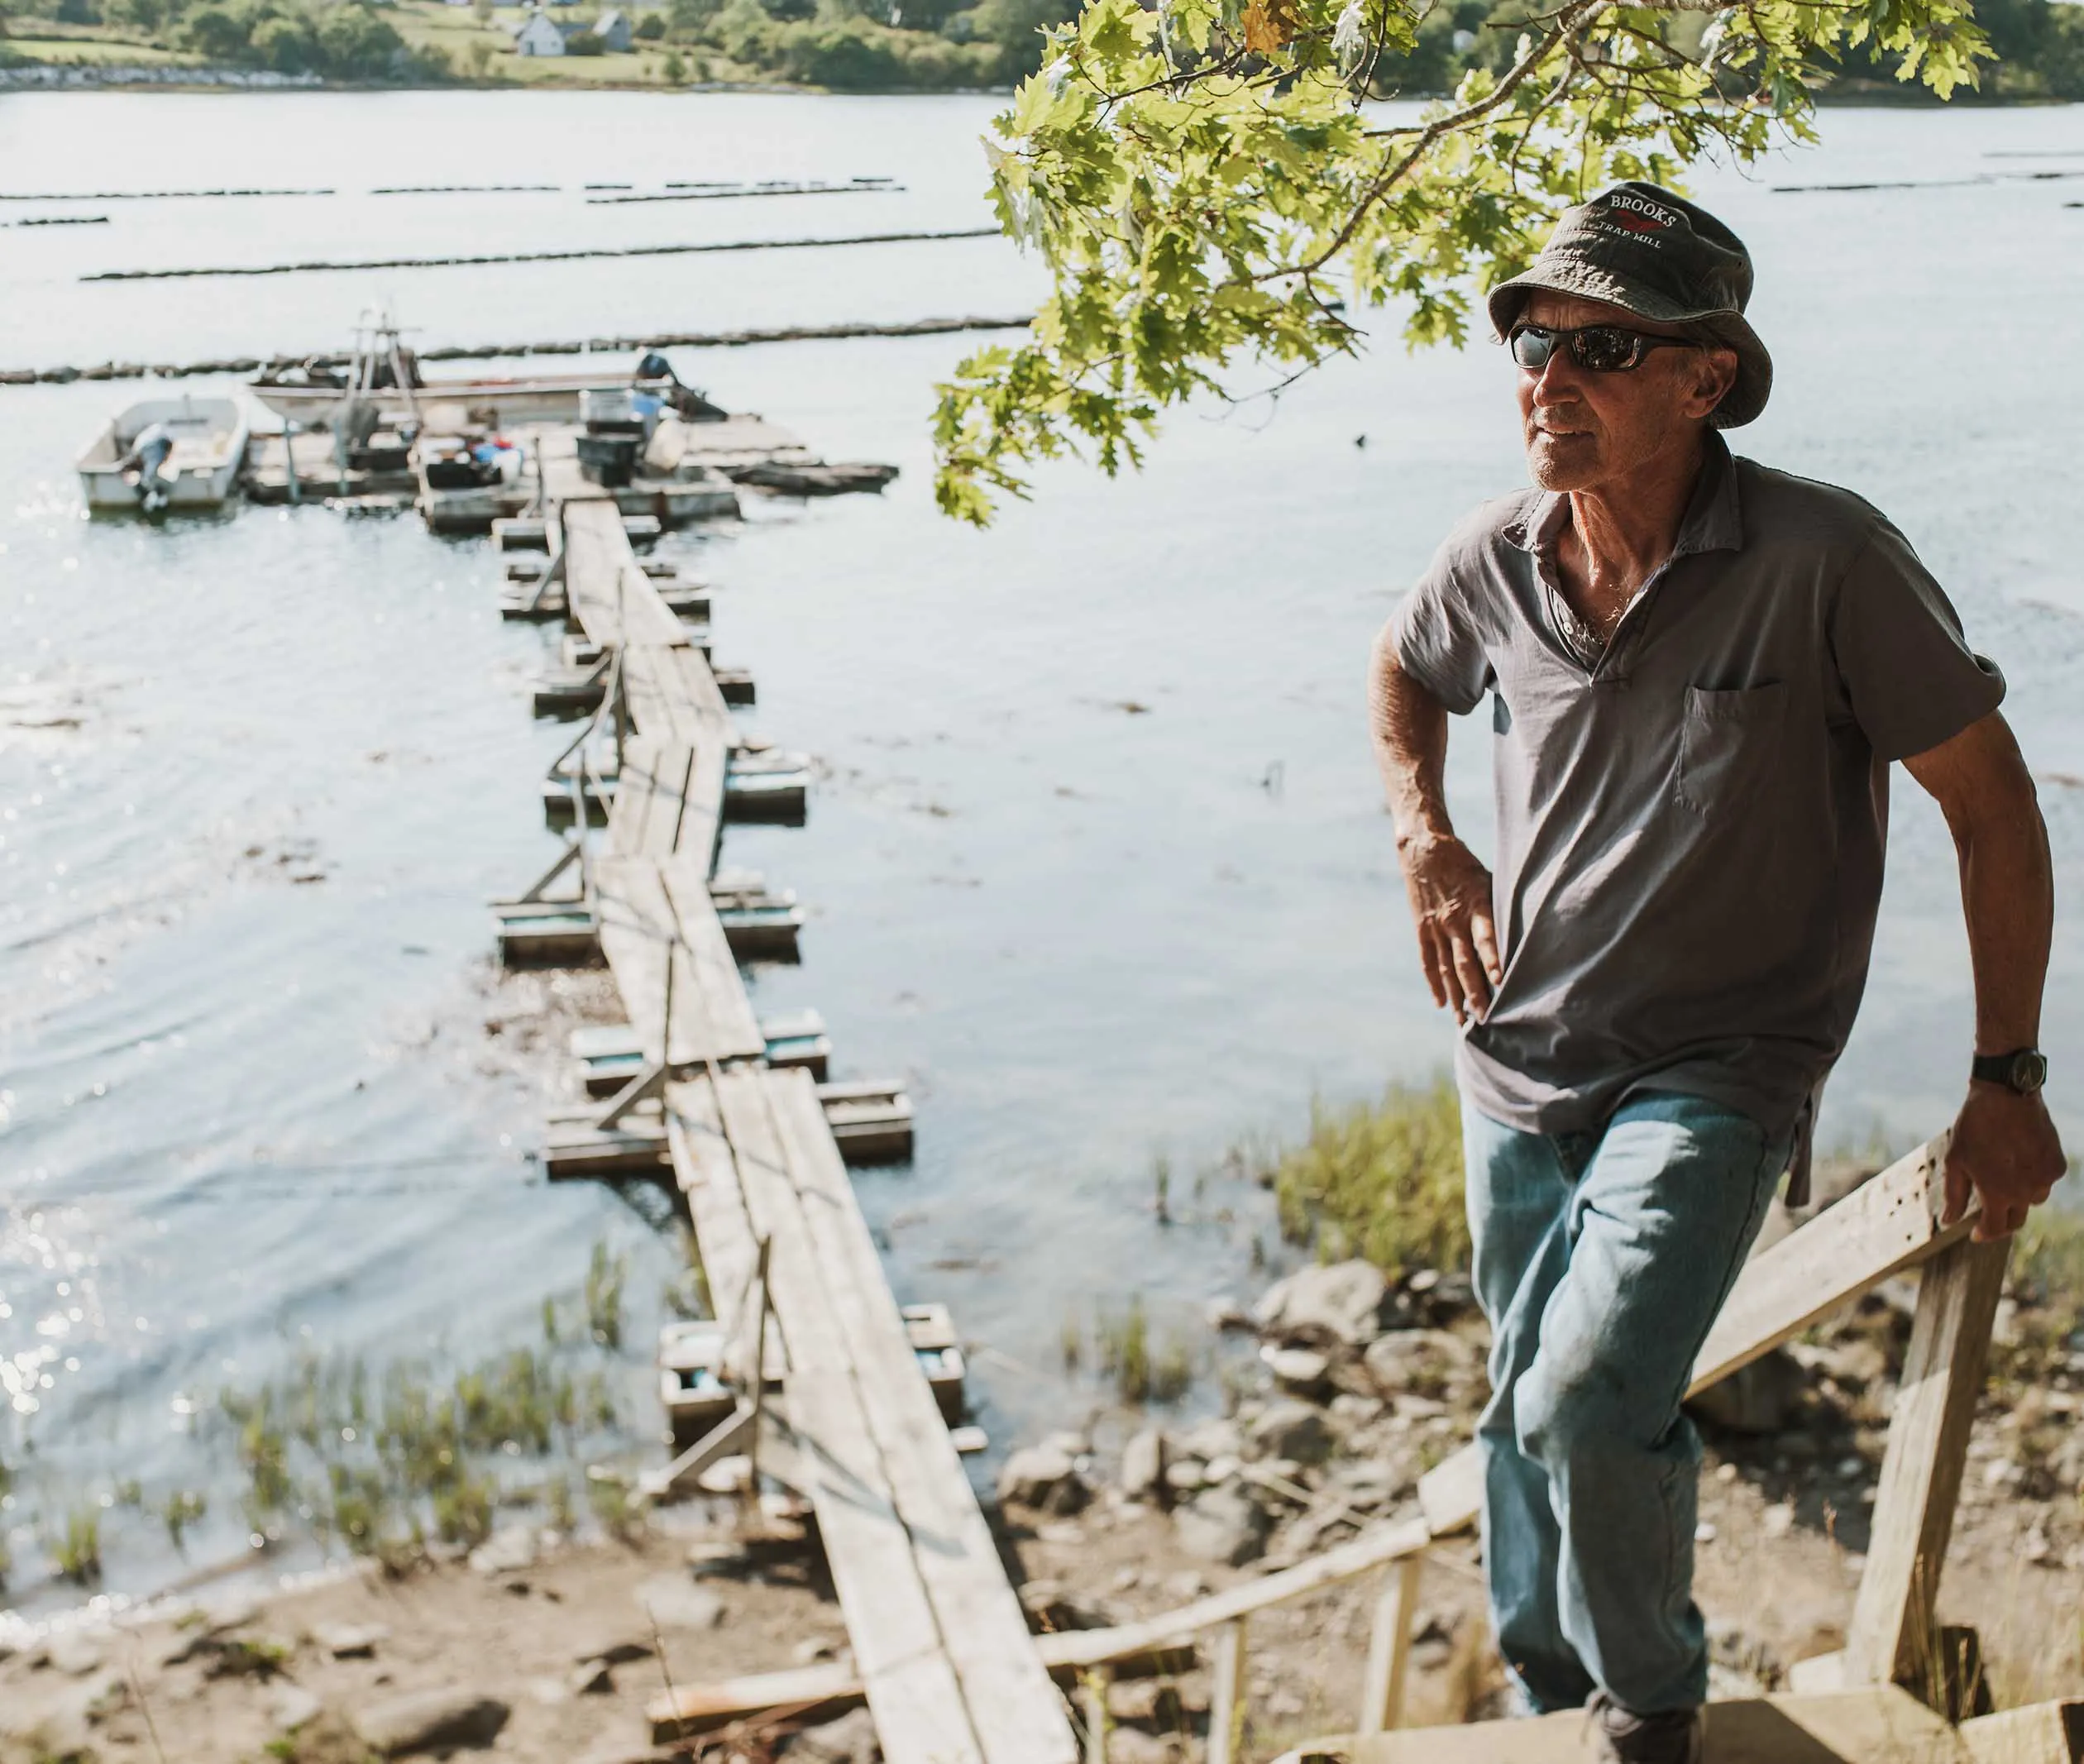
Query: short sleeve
point(1437, 640)
point(1910, 677)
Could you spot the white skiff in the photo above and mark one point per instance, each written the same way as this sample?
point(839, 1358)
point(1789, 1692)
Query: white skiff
point(191, 452)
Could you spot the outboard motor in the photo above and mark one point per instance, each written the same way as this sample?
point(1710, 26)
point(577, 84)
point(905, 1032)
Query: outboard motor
point(685, 402)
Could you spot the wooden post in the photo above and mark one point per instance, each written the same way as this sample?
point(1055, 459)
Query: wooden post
point(758, 1374)
point(1092, 1698)
point(1226, 1699)
point(1389, 1647)
point(1893, 1639)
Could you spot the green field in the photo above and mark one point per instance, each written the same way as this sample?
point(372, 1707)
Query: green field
point(482, 52)
point(93, 51)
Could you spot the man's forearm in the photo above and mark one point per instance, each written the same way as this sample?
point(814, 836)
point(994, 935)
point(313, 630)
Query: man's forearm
point(1410, 728)
point(2008, 898)
point(1981, 783)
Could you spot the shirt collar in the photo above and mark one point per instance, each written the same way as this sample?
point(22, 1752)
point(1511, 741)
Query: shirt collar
point(1714, 521)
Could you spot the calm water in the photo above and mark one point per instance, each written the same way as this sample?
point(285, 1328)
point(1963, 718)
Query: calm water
point(239, 1110)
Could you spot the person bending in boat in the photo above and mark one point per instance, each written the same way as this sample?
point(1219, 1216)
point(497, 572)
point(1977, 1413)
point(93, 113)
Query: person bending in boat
point(1700, 670)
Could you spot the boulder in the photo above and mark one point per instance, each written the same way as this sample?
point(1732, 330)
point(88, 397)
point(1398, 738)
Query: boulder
point(30, 1734)
point(613, 1649)
point(1760, 1397)
point(1185, 1476)
point(1854, 1361)
point(1408, 1357)
point(850, 1740)
point(591, 1678)
point(1303, 1370)
point(1043, 1478)
point(677, 1602)
point(507, 1550)
point(1153, 1702)
point(1143, 1465)
point(350, 1640)
point(1222, 1525)
point(1373, 1483)
point(75, 1652)
point(1134, 1746)
point(291, 1706)
point(1293, 1430)
point(1219, 1437)
point(1340, 1305)
point(430, 1721)
point(234, 1610)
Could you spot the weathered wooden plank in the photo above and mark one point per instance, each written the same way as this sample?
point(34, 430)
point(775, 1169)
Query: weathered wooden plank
point(1382, 1693)
point(699, 687)
point(676, 684)
point(812, 1692)
point(2040, 1733)
point(1066, 1652)
point(606, 588)
point(646, 812)
point(707, 1176)
point(719, 1023)
point(922, 1715)
point(1888, 1224)
point(1880, 1726)
point(1893, 1635)
point(1372, 1549)
point(638, 933)
point(1226, 1693)
point(650, 691)
point(1883, 1226)
point(1019, 1717)
point(651, 914)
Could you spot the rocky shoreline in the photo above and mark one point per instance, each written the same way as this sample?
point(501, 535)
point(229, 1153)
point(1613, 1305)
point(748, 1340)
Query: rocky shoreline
point(551, 1646)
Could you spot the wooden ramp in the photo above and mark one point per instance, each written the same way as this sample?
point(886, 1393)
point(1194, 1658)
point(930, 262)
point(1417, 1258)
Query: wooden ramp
point(940, 1642)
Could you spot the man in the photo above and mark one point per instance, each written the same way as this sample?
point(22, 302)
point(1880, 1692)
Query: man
point(1700, 670)
point(148, 457)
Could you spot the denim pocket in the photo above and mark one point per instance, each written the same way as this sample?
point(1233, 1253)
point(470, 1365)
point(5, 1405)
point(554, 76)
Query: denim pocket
point(1728, 743)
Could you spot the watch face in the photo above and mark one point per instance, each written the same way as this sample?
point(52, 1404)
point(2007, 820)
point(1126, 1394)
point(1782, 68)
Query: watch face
point(2029, 1071)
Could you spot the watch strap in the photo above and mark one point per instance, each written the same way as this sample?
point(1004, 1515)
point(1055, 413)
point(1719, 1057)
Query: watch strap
point(2022, 1069)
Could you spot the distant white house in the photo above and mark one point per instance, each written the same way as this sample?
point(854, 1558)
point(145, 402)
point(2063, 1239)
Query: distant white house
point(612, 27)
point(539, 35)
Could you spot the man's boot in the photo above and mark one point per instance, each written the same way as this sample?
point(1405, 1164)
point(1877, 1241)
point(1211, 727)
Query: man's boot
point(1675, 1736)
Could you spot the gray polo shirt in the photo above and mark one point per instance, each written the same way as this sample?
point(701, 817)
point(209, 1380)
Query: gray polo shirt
point(1691, 828)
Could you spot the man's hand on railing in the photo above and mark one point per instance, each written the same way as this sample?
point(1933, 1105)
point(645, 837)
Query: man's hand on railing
point(2005, 1150)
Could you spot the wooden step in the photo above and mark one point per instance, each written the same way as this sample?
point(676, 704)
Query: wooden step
point(2040, 1733)
point(770, 787)
point(1883, 1726)
point(870, 1123)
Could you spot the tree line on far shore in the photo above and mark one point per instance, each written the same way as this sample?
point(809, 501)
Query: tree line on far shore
point(920, 44)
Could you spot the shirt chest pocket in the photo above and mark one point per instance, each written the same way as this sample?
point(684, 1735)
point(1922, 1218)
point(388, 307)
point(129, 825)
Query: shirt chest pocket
point(1729, 744)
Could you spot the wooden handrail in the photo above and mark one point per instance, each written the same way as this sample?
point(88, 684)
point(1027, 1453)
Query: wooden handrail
point(1888, 1224)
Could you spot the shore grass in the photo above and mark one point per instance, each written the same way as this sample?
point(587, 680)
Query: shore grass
point(1382, 1180)
point(398, 1461)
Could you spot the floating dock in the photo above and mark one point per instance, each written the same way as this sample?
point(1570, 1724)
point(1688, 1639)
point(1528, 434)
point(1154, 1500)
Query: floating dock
point(758, 1147)
point(685, 471)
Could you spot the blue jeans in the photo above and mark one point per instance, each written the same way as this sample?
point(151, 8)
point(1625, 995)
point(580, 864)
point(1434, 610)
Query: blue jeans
point(1601, 1260)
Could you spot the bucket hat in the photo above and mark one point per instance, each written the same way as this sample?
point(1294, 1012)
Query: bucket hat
point(1639, 247)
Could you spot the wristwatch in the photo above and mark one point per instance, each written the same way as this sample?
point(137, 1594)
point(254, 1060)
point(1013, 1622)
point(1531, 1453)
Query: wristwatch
point(2024, 1070)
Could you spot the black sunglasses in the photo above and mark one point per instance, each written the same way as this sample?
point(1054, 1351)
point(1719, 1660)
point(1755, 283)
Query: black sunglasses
point(1598, 349)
